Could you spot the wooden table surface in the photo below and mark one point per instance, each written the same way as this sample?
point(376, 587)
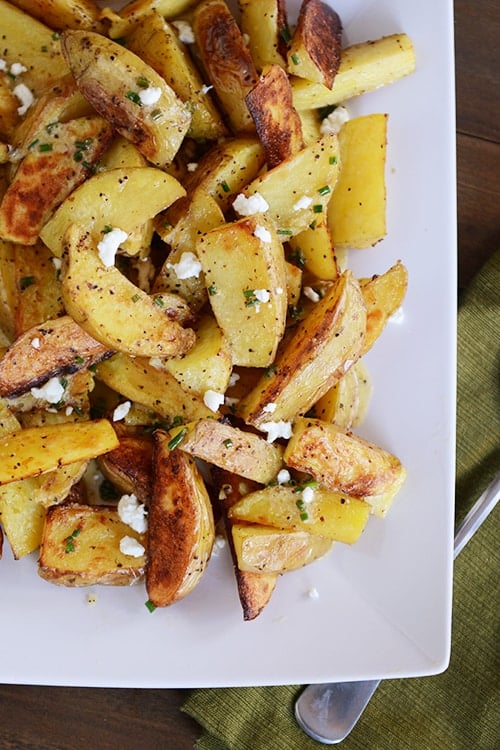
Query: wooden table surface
point(44, 718)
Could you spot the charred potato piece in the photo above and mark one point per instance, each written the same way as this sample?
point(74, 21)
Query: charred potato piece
point(56, 347)
point(314, 52)
point(129, 466)
point(265, 24)
point(63, 14)
point(127, 92)
point(81, 547)
point(180, 525)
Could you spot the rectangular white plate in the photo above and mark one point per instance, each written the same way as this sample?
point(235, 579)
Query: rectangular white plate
point(384, 604)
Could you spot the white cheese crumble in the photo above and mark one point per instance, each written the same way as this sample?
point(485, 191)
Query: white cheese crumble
point(269, 408)
point(334, 121)
point(205, 89)
point(219, 544)
point(17, 68)
point(192, 166)
point(283, 476)
point(397, 316)
point(313, 593)
point(133, 513)
point(231, 403)
point(311, 294)
point(23, 93)
point(150, 95)
point(3, 64)
point(121, 411)
point(68, 411)
point(57, 263)
point(254, 204)
point(263, 234)
point(302, 203)
point(52, 391)
point(188, 266)
point(213, 400)
point(262, 295)
point(275, 430)
point(109, 245)
point(185, 30)
point(131, 547)
point(35, 343)
point(307, 494)
point(233, 379)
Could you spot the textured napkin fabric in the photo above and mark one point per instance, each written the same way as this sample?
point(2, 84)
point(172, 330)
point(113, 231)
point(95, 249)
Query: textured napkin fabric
point(459, 709)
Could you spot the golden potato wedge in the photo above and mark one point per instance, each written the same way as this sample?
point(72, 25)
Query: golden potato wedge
point(120, 24)
point(54, 487)
point(265, 24)
point(314, 246)
point(245, 275)
point(57, 347)
point(59, 394)
point(322, 511)
point(277, 122)
point(63, 14)
point(265, 549)
point(129, 466)
point(158, 390)
point(9, 290)
point(112, 309)
point(383, 295)
point(345, 463)
point(127, 92)
point(314, 51)
point(357, 209)
point(298, 190)
point(345, 403)
point(22, 516)
point(226, 59)
point(326, 343)
point(81, 547)
point(9, 116)
point(230, 448)
point(48, 173)
point(33, 451)
point(158, 44)
point(180, 525)
point(39, 296)
point(363, 67)
point(110, 199)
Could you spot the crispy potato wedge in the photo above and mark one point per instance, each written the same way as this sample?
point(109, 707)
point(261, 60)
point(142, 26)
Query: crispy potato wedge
point(230, 448)
point(314, 246)
point(48, 173)
point(113, 79)
point(81, 547)
point(345, 403)
point(109, 199)
point(33, 451)
point(158, 390)
point(63, 14)
point(39, 296)
point(328, 514)
point(265, 24)
point(120, 24)
point(9, 290)
point(265, 549)
point(112, 309)
point(158, 44)
point(226, 59)
point(277, 122)
point(129, 466)
point(180, 525)
point(326, 343)
point(363, 67)
point(22, 516)
point(314, 51)
point(68, 392)
point(9, 116)
point(57, 347)
point(383, 295)
point(54, 487)
point(345, 463)
point(245, 275)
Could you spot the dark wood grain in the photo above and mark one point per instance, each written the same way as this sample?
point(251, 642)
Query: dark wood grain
point(41, 718)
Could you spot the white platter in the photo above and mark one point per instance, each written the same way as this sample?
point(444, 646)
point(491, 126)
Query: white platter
point(384, 605)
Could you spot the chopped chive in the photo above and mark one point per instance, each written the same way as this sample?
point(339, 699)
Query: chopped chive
point(44, 147)
point(212, 289)
point(135, 298)
point(304, 516)
point(50, 127)
point(83, 145)
point(270, 371)
point(225, 187)
point(78, 156)
point(297, 258)
point(159, 301)
point(150, 606)
point(318, 208)
point(177, 439)
point(79, 360)
point(333, 160)
point(324, 190)
point(156, 114)
point(70, 547)
point(55, 36)
point(285, 34)
point(134, 97)
point(287, 232)
point(107, 229)
point(33, 143)
point(142, 82)
point(295, 59)
point(228, 443)
point(26, 281)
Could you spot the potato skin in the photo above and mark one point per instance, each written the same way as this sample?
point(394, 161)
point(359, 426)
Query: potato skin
point(316, 43)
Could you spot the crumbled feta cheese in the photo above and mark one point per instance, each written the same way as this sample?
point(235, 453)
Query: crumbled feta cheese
point(109, 245)
point(254, 204)
point(334, 121)
point(311, 294)
point(133, 513)
point(225, 490)
point(35, 343)
point(276, 430)
point(219, 544)
point(192, 166)
point(307, 494)
point(279, 290)
point(121, 411)
point(234, 378)
point(150, 95)
point(231, 403)
point(283, 476)
point(397, 316)
point(17, 68)
point(131, 547)
point(205, 89)
point(302, 203)
point(262, 233)
point(57, 263)
point(156, 362)
point(186, 33)
point(269, 408)
point(313, 593)
point(262, 295)
point(188, 266)
point(213, 400)
point(52, 391)
point(68, 411)
point(3, 64)
point(23, 93)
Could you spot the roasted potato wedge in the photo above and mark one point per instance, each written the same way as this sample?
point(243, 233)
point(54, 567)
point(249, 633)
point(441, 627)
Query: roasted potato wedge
point(136, 101)
point(345, 463)
point(383, 295)
point(39, 295)
point(81, 547)
point(265, 24)
point(22, 516)
point(345, 403)
point(180, 525)
point(56, 347)
point(314, 51)
point(265, 549)
point(63, 14)
point(9, 290)
point(326, 343)
point(129, 466)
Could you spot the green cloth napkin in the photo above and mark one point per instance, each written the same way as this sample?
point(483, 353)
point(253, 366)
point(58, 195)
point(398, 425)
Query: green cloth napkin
point(459, 708)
